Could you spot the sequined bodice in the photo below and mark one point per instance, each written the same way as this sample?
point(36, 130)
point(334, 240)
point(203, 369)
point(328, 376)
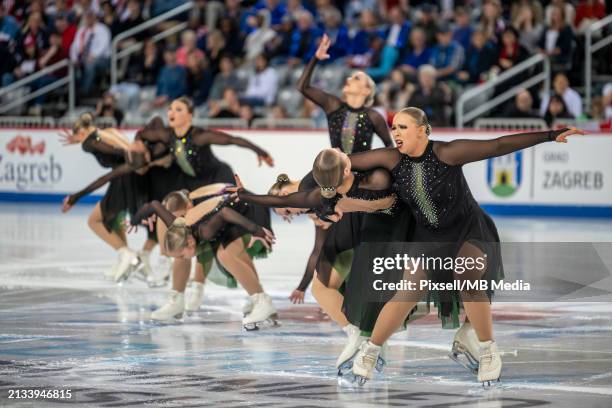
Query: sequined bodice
point(194, 160)
point(436, 192)
point(350, 130)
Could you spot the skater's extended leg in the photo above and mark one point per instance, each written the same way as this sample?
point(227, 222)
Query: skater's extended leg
point(329, 298)
point(238, 263)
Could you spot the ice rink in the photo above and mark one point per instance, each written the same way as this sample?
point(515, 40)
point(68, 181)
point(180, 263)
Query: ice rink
point(63, 327)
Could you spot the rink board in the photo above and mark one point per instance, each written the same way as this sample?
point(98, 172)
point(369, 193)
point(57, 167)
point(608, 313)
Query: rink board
point(548, 179)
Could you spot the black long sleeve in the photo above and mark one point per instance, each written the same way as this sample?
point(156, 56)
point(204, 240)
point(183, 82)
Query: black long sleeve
point(326, 101)
point(154, 207)
point(386, 158)
point(94, 144)
point(301, 199)
point(116, 172)
point(208, 230)
point(380, 127)
point(320, 235)
point(462, 151)
point(204, 137)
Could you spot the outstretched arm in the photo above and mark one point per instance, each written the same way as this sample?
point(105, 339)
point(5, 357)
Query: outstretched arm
point(380, 127)
point(118, 171)
point(208, 230)
point(221, 138)
point(326, 101)
point(301, 199)
point(386, 158)
point(464, 151)
point(154, 207)
point(320, 235)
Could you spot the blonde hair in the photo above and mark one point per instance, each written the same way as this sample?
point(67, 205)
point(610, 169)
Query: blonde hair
point(370, 99)
point(328, 171)
point(84, 121)
point(177, 236)
point(418, 116)
point(177, 200)
point(281, 182)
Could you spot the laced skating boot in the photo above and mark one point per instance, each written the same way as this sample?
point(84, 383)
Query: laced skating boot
point(195, 298)
point(490, 362)
point(345, 360)
point(127, 261)
point(247, 307)
point(173, 309)
point(465, 349)
point(365, 361)
point(263, 313)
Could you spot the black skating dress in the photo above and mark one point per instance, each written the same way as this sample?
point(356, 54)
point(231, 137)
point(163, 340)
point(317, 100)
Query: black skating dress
point(446, 214)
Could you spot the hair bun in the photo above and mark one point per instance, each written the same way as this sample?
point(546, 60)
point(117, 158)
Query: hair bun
point(282, 178)
point(428, 129)
point(180, 222)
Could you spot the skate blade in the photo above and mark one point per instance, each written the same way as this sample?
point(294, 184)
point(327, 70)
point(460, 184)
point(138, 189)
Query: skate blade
point(346, 367)
point(492, 384)
point(456, 357)
point(265, 324)
point(174, 319)
point(380, 364)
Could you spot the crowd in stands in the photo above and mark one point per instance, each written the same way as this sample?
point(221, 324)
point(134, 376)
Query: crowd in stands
point(239, 59)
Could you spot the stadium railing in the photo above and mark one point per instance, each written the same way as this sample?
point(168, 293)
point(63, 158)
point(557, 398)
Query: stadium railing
point(221, 123)
point(510, 124)
point(15, 102)
point(26, 121)
point(288, 123)
point(591, 48)
point(482, 90)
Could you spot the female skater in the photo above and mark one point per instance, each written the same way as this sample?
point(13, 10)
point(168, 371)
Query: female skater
point(213, 222)
point(124, 194)
point(352, 122)
point(429, 178)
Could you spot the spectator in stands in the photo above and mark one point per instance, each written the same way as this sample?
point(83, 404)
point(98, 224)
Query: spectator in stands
point(263, 86)
point(360, 44)
point(90, 51)
point(256, 40)
point(188, 46)
point(278, 112)
point(107, 108)
point(587, 12)
point(9, 28)
point(171, 81)
point(247, 114)
point(226, 78)
point(462, 33)
point(227, 107)
point(510, 54)
point(399, 29)
point(276, 10)
point(198, 15)
point(304, 39)
point(354, 10)
point(27, 65)
point(427, 22)
point(491, 21)
point(521, 107)
point(607, 100)
point(383, 58)
point(529, 26)
point(395, 92)
point(432, 97)
point(149, 62)
point(277, 49)
point(337, 32)
point(418, 55)
point(478, 60)
point(61, 8)
point(54, 54)
point(199, 78)
point(110, 17)
point(557, 39)
point(571, 98)
point(311, 111)
point(130, 18)
point(556, 109)
point(215, 48)
point(34, 30)
point(569, 12)
point(66, 29)
point(447, 56)
point(234, 10)
point(234, 41)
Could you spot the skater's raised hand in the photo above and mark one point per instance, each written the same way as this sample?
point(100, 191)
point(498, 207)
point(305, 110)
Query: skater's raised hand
point(67, 204)
point(265, 236)
point(297, 296)
point(322, 52)
point(233, 190)
point(562, 138)
point(68, 138)
point(266, 158)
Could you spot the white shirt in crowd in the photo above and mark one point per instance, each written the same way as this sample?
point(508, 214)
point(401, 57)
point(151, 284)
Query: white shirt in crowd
point(99, 38)
point(255, 42)
point(572, 100)
point(263, 85)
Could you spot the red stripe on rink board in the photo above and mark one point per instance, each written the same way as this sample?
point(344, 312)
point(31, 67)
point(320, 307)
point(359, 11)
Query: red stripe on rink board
point(436, 131)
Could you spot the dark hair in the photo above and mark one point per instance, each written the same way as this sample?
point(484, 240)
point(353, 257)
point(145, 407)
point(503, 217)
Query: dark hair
point(549, 117)
point(187, 101)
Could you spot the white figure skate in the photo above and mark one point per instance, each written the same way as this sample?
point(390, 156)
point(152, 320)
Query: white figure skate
point(262, 315)
point(365, 361)
point(490, 363)
point(466, 350)
point(173, 309)
point(194, 301)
